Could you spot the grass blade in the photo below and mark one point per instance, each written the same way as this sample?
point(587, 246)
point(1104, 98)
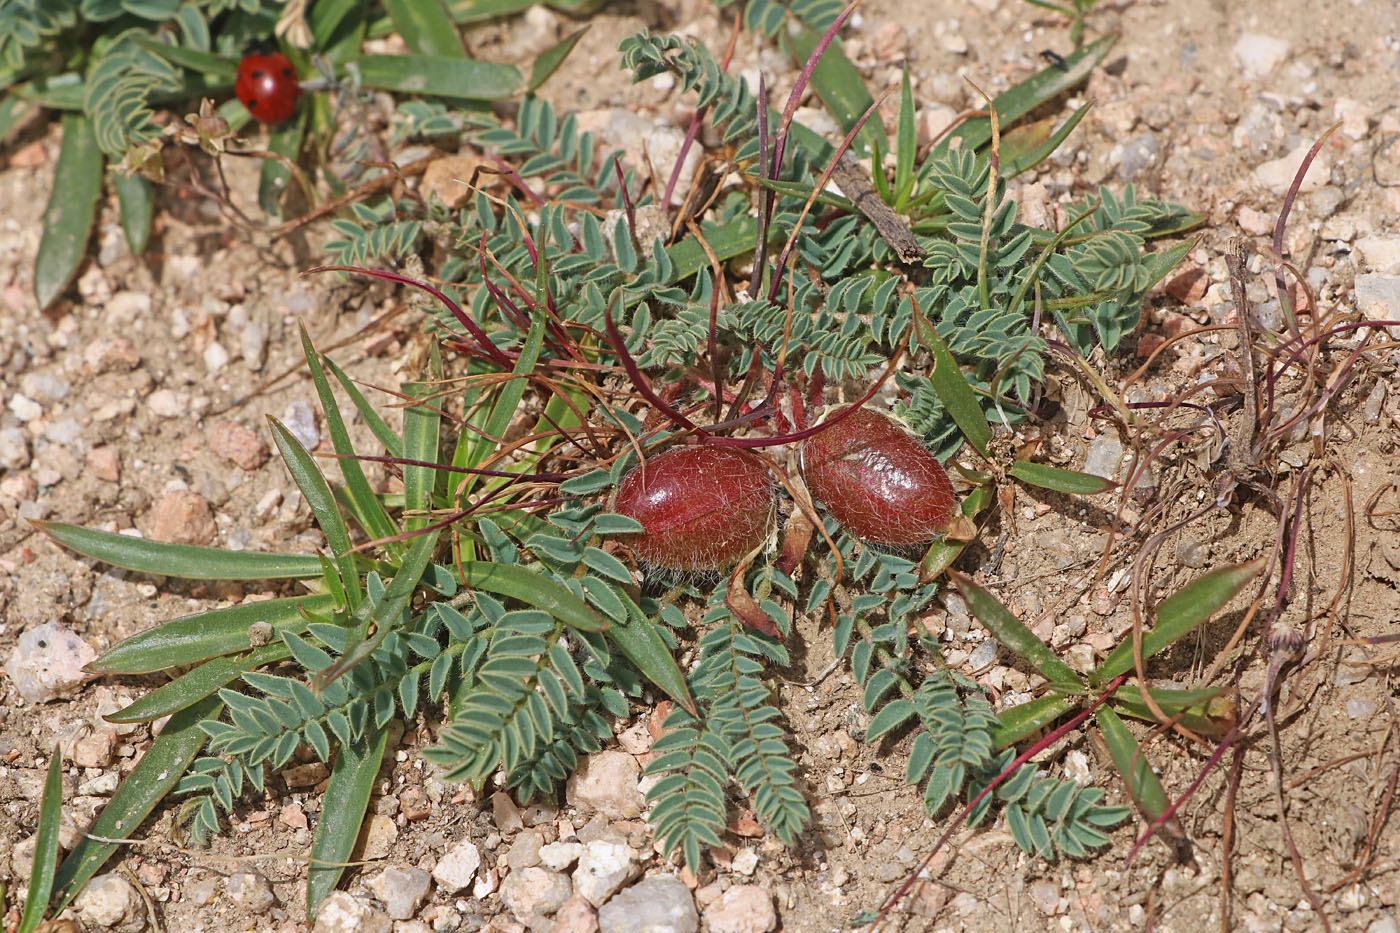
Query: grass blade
point(553, 57)
point(426, 27)
point(274, 176)
point(196, 638)
point(365, 506)
point(1009, 630)
point(135, 201)
point(905, 144)
point(197, 684)
point(352, 779)
point(1181, 612)
point(1138, 777)
point(421, 427)
point(641, 643)
point(1031, 93)
point(382, 617)
point(71, 210)
point(436, 76)
point(532, 589)
point(317, 493)
point(385, 434)
point(1049, 477)
point(839, 85)
point(147, 784)
point(180, 560)
point(1018, 722)
point(41, 874)
point(951, 385)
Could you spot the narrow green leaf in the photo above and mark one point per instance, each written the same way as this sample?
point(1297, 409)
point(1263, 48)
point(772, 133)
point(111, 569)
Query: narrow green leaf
point(839, 85)
point(274, 176)
point(41, 872)
point(552, 58)
point(951, 385)
point(1013, 163)
point(365, 506)
point(1138, 777)
point(383, 616)
point(338, 27)
point(164, 763)
point(532, 589)
point(1008, 630)
point(319, 499)
point(72, 207)
point(382, 432)
point(1068, 481)
point(1205, 712)
point(426, 27)
point(421, 427)
point(906, 142)
point(135, 201)
point(352, 780)
point(643, 645)
point(436, 76)
point(1016, 723)
point(197, 684)
point(1181, 612)
point(207, 63)
point(180, 560)
point(943, 552)
point(1031, 93)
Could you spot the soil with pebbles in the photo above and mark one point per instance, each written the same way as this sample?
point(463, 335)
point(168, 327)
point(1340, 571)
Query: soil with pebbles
point(138, 403)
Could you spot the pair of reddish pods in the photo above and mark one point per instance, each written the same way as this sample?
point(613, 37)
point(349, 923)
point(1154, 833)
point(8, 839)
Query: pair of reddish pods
point(707, 507)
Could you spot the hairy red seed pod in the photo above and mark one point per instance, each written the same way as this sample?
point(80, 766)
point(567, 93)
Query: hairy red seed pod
point(878, 481)
point(702, 508)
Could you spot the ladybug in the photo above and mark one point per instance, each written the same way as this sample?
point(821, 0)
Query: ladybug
point(267, 85)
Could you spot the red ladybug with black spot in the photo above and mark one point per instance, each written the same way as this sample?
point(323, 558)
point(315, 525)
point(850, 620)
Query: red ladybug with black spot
point(267, 84)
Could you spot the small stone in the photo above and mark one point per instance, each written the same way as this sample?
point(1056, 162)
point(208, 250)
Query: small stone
point(252, 341)
point(455, 870)
point(45, 385)
point(1045, 895)
point(48, 662)
point(25, 408)
point(934, 119)
point(377, 837)
point(1259, 55)
point(300, 419)
point(105, 463)
point(1360, 709)
point(110, 902)
point(111, 354)
point(1354, 115)
point(1104, 456)
point(215, 356)
point(1277, 174)
point(891, 43)
point(557, 856)
point(659, 904)
point(635, 739)
point(607, 782)
point(165, 403)
point(307, 775)
point(534, 892)
point(486, 884)
point(1385, 924)
point(14, 449)
point(201, 893)
point(32, 155)
point(525, 853)
point(292, 816)
point(182, 517)
point(576, 916)
point(237, 443)
point(342, 912)
point(251, 891)
point(401, 890)
point(449, 179)
point(744, 908)
point(603, 868)
point(1380, 253)
point(95, 750)
point(1138, 153)
point(505, 813)
point(1253, 222)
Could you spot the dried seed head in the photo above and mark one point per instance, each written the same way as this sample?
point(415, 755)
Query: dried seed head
point(1283, 640)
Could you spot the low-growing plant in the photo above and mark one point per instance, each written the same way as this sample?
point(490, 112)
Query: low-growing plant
point(503, 582)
